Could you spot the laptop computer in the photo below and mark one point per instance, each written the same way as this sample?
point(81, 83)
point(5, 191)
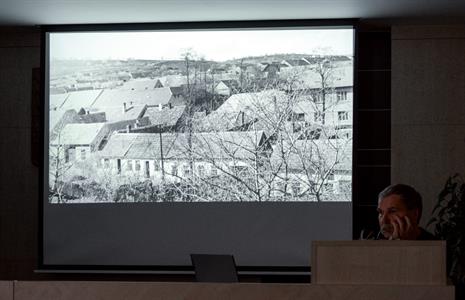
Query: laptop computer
point(214, 268)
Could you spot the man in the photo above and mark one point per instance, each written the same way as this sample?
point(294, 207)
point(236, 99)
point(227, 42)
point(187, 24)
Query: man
point(399, 212)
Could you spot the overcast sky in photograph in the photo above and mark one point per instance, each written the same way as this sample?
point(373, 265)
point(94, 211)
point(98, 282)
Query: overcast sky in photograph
point(217, 45)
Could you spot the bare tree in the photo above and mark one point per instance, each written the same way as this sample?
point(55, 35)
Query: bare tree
point(59, 165)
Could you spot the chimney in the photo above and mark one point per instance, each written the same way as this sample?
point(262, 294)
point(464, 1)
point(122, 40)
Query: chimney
point(124, 107)
point(128, 128)
point(160, 107)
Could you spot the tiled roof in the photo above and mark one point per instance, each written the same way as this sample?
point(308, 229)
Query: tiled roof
point(56, 101)
point(139, 84)
point(263, 106)
point(173, 80)
point(177, 90)
point(116, 113)
point(205, 146)
point(230, 83)
point(310, 79)
point(116, 97)
point(242, 101)
point(166, 116)
point(78, 134)
point(56, 115)
point(92, 118)
point(79, 99)
point(305, 154)
point(229, 145)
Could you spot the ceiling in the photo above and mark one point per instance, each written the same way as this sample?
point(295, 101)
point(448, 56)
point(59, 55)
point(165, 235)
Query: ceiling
point(38, 12)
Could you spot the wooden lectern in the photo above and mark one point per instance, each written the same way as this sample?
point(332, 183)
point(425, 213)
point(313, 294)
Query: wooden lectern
point(379, 262)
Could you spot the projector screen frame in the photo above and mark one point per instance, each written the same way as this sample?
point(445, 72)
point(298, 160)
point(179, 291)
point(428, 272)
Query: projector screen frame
point(255, 24)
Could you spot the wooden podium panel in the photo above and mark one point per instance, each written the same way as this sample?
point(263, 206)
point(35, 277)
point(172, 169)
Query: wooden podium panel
point(379, 262)
point(6, 290)
point(98, 290)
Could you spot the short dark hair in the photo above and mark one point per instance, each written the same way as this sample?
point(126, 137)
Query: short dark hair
point(410, 197)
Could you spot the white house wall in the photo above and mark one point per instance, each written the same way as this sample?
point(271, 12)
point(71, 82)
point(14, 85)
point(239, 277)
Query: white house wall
point(156, 175)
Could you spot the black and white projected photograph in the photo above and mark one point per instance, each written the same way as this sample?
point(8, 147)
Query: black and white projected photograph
point(250, 115)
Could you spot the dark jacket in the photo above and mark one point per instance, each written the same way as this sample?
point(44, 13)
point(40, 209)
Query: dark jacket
point(426, 236)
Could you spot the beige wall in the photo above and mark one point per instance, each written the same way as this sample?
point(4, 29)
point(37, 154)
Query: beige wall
point(428, 107)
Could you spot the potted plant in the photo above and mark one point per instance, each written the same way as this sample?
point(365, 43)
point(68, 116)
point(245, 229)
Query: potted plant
point(448, 222)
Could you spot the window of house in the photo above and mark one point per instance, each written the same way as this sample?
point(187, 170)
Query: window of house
point(83, 154)
point(343, 115)
point(129, 165)
point(137, 165)
point(174, 170)
point(156, 166)
point(214, 171)
point(201, 170)
point(239, 170)
point(328, 187)
point(106, 163)
point(186, 170)
point(330, 176)
point(296, 189)
point(341, 95)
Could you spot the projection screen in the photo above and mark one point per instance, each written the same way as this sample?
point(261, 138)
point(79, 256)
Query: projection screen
point(223, 138)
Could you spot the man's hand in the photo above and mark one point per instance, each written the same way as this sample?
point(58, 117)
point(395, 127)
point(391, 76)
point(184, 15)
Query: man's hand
point(403, 229)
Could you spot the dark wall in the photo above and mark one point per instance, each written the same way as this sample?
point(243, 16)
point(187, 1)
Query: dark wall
point(19, 54)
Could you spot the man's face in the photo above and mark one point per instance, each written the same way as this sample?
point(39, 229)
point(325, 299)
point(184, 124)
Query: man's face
point(392, 206)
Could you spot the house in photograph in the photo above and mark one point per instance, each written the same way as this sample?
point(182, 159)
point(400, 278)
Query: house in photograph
point(254, 111)
point(59, 118)
point(77, 141)
point(337, 114)
point(171, 81)
point(227, 87)
point(326, 94)
point(125, 112)
point(168, 119)
point(309, 169)
point(175, 157)
point(151, 98)
point(330, 77)
point(124, 105)
point(80, 99)
point(271, 70)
